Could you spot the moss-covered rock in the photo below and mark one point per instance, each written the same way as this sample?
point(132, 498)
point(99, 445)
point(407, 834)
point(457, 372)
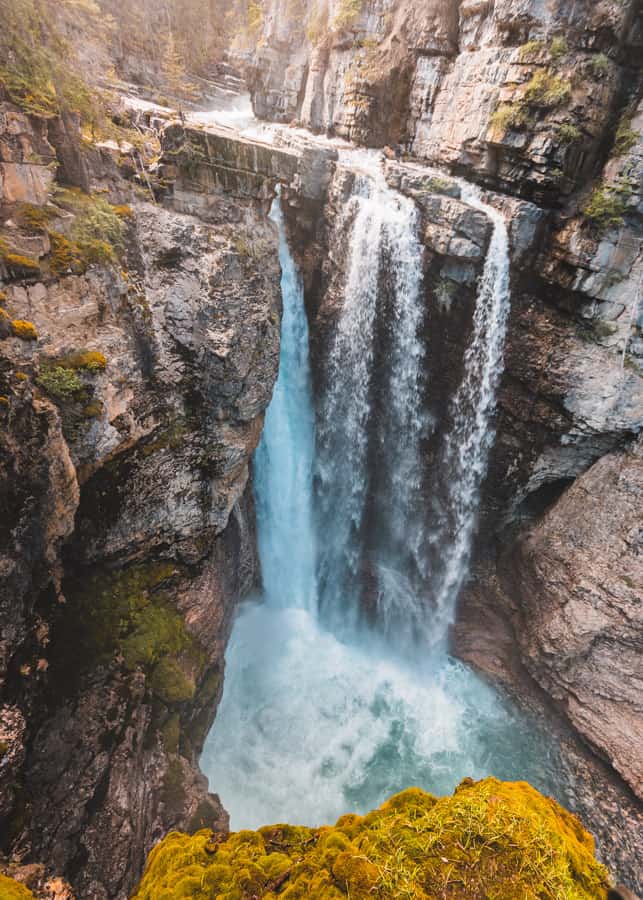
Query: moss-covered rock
point(490, 839)
point(13, 890)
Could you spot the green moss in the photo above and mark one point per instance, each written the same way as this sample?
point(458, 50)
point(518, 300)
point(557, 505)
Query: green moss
point(65, 256)
point(317, 26)
point(205, 816)
point(491, 839)
point(13, 890)
point(170, 684)
point(174, 788)
point(26, 331)
point(171, 734)
point(18, 265)
point(97, 231)
point(169, 438)
point(93, 410)
point(59, 382)
point(128, 613)
point(509, 116)
point(34, 219)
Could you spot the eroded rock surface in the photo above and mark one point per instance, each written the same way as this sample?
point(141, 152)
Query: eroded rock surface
point(130, 410)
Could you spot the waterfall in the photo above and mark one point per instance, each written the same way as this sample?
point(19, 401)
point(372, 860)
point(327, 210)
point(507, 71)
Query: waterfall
point(472, 434)
point(315, 722)
point(284, 458)
point(345, 410)
point(380, 227)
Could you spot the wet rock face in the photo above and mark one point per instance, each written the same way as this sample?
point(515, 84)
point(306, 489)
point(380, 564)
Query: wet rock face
point(557, 619)
point(578, 575)
point(127, 523)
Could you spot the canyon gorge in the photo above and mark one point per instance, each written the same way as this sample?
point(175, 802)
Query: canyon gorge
point(321, 477)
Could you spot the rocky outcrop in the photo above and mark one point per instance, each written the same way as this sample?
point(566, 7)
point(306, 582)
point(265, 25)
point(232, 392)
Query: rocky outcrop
point(575, 583)
point(133, 387)
point(557, 619)
point(485, 836)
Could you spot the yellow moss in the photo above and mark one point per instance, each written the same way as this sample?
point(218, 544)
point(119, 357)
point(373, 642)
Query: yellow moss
point(123, 211)
point(491, 839)
point(65, 255)
point(21, 376)
point(19, 265)
point(3, 313)
point(93, 360)
point(13, 890)
point(4, 401)
point(34, 218)
point(26, 331)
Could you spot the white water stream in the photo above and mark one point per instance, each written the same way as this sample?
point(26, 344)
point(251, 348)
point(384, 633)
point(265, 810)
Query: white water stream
point(322, 714)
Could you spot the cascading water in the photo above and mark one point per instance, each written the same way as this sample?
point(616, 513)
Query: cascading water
point(312, 725)
point(381, 227)
point(471, 436)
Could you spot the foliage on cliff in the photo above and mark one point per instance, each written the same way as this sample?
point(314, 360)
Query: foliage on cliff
point(491, 839)
point(37, 65)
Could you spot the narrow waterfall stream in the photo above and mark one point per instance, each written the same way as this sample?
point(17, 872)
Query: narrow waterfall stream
point(323, 713)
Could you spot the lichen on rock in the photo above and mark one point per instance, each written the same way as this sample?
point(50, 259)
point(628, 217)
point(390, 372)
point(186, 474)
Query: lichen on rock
point(490, 839)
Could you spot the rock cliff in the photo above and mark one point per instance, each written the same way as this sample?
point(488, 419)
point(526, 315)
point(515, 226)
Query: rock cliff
point(132, 398)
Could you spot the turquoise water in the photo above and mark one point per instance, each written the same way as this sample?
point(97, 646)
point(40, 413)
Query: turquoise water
point(321, 715)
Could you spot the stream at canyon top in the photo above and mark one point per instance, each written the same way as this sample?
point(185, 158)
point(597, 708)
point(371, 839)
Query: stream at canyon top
point(322, 714)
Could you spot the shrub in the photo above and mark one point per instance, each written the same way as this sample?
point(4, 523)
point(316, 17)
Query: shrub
point(65, 256)
point(509, 116)
point(36, 65)
point(92, 360)
point(26, 331)
point(530, 49)
point(625, 138)
point(490, 839)
point(599, 64)
point(59, 382)
point(34, 218)
point(547, 90)
point(349, 10)
point(569, 134)
point(558, 48)
point(606, 205)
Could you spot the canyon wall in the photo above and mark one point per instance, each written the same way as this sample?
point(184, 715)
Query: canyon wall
point(132, 399)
